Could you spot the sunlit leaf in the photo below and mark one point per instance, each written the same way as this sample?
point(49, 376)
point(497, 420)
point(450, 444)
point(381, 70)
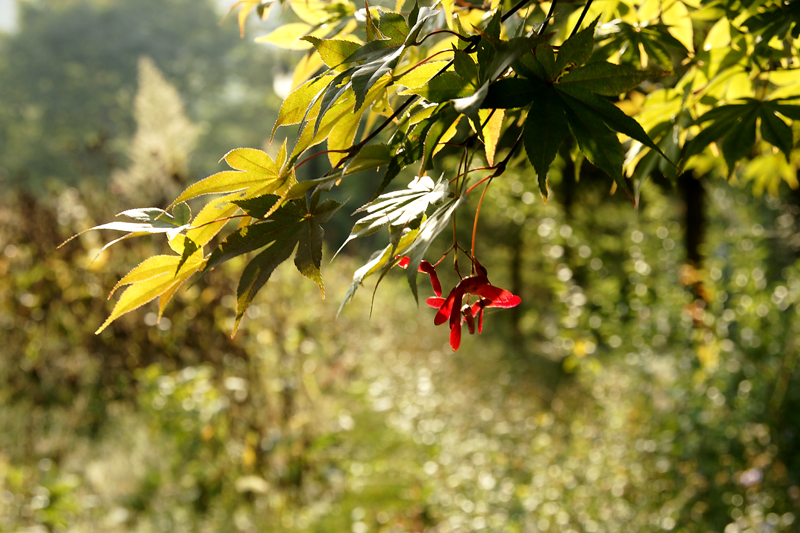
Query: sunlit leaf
point(608, 79)
point(148, 269)
point(767, 172)
point(676, 17)
point(297, 106)
point(447, 135)
point(333, 51)
point(212, 218)
point(148, 220)
point(421, 75)
point(288, 36)
point(493, 121)
point(400, 208)
point(393, 26)
point(152, 278)
point(317, 11)
point(373, 33)
point(165, 297)
point(429, 229)
point(344, 130)
point(719, 36)
point(256, 173)
point(189, 248)
point(378, 262)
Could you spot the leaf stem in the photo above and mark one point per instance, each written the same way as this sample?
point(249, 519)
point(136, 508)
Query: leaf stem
point(444, 256)
point(481, 181)
point(463, 38)
point(223, 219)
point(478, 213)
point(398, 76)
point(312, 156)
point(357, 148)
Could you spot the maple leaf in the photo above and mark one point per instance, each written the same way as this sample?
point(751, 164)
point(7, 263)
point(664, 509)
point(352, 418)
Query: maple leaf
point(400, 208)
point(147, 221)
point(277, 233)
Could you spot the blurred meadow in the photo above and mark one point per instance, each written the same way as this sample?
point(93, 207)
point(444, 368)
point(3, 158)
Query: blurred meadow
point(629, 391)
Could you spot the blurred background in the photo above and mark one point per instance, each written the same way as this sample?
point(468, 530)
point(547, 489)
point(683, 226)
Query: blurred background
point(629, 391)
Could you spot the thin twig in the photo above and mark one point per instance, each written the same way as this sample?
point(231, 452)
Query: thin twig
point(477, 214)
point(312, 156)
point(550, 15)
point(580, 20)
point(445, 51)
point(385, 123)
point(224, 219)
point(519, 5)
point(467, 39)
point(478, 184)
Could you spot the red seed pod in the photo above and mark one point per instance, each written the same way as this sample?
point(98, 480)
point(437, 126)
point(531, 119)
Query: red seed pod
point(467, 312)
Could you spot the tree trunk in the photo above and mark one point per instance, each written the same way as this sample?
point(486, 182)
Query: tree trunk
point(693, 194)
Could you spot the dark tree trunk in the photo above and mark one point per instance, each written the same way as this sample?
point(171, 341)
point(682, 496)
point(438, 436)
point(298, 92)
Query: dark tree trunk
point(693, 194)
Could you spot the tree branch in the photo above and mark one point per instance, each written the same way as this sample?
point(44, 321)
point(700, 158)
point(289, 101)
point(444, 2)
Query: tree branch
point(549, 16)
point(580, 20)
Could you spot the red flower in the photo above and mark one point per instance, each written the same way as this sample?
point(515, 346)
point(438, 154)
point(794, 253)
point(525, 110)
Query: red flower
point(453, 309)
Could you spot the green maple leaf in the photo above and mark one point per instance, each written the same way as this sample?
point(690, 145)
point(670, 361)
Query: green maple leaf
point(404, 208)
point(735, 124)
point(373, 60)
point(380, 260)
point(566, 97)
point(255, 173)
point(655, 40)
point(294, 225)
point(430, 228)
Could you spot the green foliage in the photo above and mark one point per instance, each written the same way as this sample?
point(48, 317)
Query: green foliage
point(279, 231)
point(623, 396)
point(68, 86)
point(628, 391)
point(390, 88)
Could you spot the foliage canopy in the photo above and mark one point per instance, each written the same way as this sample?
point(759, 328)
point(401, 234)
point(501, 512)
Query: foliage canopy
point(635, 89)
